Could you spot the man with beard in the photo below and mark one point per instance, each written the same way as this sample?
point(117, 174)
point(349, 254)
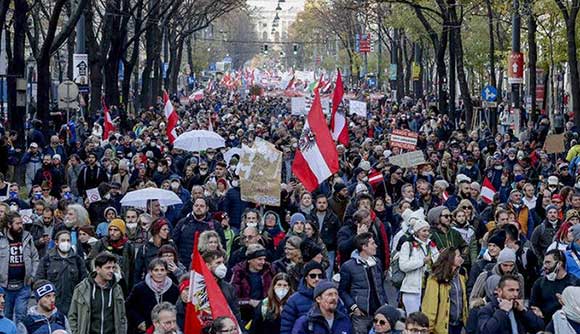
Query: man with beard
point(17, 246)
point(324, 316)
point(543, 235)
point(339, 200)
point(426, 199)
point(49, 175)
point(132, 222)
point(44, 317)
point(464, 192)
point(185, 230)
point(164, 318)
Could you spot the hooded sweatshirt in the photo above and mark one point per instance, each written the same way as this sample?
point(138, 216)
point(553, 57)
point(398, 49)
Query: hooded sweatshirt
point(102, 315)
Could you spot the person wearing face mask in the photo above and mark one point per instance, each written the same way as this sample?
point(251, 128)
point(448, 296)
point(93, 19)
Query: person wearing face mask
point(547, 289)
point(215, 262)
point(267, 316)
point(162, 173)
point(173, 211)
point(543, 235)
point(64, 268)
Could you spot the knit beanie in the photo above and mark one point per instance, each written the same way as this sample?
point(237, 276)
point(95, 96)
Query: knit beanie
point(158, 225)
point(120, 224)
point(322, 286)
point(498, 239)
point(506, 255)
point(339, 186)
point(309, 249)
point(297, 217)
point(434, 214)
point(419, 224)
point(391, 313)
point(308, 267)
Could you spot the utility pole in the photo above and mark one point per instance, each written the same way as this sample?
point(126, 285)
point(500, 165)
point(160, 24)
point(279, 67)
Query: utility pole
point(393, 67)
point(380, 56)
point(516, 45)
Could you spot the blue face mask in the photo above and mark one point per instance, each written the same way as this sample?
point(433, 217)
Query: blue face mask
point(13, 194)
point(68, 195)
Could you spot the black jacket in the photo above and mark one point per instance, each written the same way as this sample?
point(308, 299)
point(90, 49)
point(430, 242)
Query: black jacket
point(329, 230)
point(184, 234)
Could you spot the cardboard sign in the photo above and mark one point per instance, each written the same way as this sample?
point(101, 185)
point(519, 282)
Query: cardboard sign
point(358, 108)
point(260, 170)
point(407, 160)
point(93, 195)
point(404, 139)
point(554, 144)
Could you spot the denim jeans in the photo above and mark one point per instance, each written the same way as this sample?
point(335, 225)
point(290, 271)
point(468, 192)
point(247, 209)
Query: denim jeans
point(331, 260)
point(16, 303)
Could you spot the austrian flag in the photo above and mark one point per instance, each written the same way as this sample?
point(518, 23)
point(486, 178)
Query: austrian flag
point(487, 191)
point(171, 116)
point(316, 158)
point(338, 124)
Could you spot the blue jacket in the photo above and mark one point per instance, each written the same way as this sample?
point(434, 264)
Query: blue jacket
point(234, 206)
point(492, 319)
point(314, 323)
point(354, 286)
point(7, 326)
point(572, 267)
point(297, 305)
point(36, 323)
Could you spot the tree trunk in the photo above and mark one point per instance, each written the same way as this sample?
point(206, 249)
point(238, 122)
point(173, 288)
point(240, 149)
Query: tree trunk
point(492, 77)
point(176, 53)
point(16, 68)
point(452, 86)
point(532, 62)
point(152, 49)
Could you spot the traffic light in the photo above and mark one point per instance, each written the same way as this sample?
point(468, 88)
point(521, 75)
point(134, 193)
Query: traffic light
point(265, 48)
point(295, 48)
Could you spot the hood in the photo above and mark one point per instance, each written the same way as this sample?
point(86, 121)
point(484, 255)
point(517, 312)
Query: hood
point(33, 310)
point(370, 262)
point(495, 270)
point(278, 222)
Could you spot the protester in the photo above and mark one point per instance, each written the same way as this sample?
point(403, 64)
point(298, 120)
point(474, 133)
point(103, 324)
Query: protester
point(567, 319)
point(160, 236)
point(268, 314)
point(45, 316)
point(215, 261)
point(164, 319)
point(6, 325)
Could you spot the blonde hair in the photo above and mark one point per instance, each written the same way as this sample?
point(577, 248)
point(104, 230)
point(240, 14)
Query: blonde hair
point(203, 241)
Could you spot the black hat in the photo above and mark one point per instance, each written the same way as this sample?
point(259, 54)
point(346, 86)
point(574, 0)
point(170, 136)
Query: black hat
point(309, 249)
point(391, 313)
point(498, 239)
point(309, 266)
point(339, 186)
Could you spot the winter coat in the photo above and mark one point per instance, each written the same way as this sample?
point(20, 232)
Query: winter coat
point(478, 267)
point(234, 206)
point(451, 238)
point(380, 234)
point(355, 288)
point(296, 306)
point(29, 253)
point(573, 261)
point(65, 273)
point(314, 323)
point(241, 281)
point(79, 315)
point(437, 304)
point(492, 319)
point(143, 299)
point(37, 323)
point(184, 233)
point(338, 206)
point(411, 262)
point(125, 259)
point(91, 177)
point(144, 255)
point(329, 230)
point(542, 237)
point(479, 288)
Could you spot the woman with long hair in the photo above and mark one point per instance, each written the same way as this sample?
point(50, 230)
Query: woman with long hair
point(267, 315)
point(445, 297)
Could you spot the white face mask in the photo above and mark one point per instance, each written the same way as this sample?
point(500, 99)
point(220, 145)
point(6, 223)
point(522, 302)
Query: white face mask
point(281, 292)
point(174, 185)
point(160, 169)
point(252, 225)
point(131, 226)
point(64, 246)
point(365, 179)
point(221, 271)
point(235, 183)
point(68, 223)
point(552, 276)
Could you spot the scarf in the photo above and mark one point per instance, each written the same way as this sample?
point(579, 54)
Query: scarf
point(118, 244)
point(159, 288)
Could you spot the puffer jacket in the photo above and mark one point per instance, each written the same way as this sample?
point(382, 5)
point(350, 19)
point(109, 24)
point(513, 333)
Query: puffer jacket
point(315, 323)
point(29, 253)
point(184, 234)
point(38, 323)
point(79, 315)
point(355, 288)
point(241, 281)
point(437, 304)
point(65, 273)
point(297, 305)
point(143, 299)
point(542, 237)
point(411, 262)
point(480, 286)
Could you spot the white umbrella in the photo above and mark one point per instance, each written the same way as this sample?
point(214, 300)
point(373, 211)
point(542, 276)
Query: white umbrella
point(231, 152)
point(199, 140)
point(139, 198)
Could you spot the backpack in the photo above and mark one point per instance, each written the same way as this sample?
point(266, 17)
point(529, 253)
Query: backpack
point(397, 275)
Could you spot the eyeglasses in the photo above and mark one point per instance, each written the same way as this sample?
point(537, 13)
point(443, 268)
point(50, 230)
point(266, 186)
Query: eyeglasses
point(45, 189)
point(315, 276)
point(380, 322)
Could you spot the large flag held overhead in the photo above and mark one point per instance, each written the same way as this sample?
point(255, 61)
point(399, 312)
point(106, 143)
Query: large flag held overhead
point(207, 300)
point(316, 158)
point(171, 116)
point(338, 124)
point(487, 191)
point(108, 123)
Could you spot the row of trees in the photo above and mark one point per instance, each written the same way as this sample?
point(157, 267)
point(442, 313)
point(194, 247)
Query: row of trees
point(140, 34)
point(464, 43)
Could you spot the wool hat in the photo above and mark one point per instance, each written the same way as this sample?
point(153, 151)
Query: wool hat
point(339, 186)
point(462, 178)
point(419, 224)
point(434, 214)
point(322, 286)
point(391, 313)
point(506, 255)
point(297, 217)
point(158, 225)
point(553, 180)
point(120, 224)
point(184, 285)
point(309, 266)
point(575, 230)
point(88, 229)
point(551, 207)
point(441, 183)
point(571, 214)
point(309, 249)
point(498, 239)
point(393, 169)
point(557, 197)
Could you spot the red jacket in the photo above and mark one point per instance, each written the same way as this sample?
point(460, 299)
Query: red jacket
point(241, 281)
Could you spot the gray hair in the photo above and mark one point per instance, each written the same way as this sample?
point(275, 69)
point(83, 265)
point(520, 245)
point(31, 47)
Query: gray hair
point(81, 213)
point(165, 306)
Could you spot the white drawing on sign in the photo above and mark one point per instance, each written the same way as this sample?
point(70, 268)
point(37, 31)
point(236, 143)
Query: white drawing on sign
point(489, 95)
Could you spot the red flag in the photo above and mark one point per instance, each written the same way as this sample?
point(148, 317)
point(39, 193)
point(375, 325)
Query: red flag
point(207, 300)
point(487, 191)
point(316, 158)
point(108, 123)
point(375, 177)
point(338, 124)
point(172, 118)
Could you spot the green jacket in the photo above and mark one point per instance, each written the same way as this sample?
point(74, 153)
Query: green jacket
point(450, 239)
point(79, 315)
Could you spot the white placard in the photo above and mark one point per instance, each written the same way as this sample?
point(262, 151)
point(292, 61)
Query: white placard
point(358, 108)
point(93, 195)
point(407, 160)
point(26, 215)
point(81, 69)
point(298, 106)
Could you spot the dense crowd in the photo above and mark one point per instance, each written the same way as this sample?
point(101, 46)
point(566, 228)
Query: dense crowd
point(419, 251)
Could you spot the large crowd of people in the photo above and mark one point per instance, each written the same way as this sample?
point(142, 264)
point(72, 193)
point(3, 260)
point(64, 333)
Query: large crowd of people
point(483, 237)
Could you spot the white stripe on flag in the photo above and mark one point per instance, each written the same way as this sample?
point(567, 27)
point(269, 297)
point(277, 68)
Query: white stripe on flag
point(316, 161)
point(339, 124)
point(487, 193)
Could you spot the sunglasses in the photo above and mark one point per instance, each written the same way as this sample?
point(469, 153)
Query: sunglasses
point(380, 322)
point(467, 208)
point(315, 276)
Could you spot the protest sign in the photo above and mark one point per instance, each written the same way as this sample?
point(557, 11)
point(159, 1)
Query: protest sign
point(260, 170)
point(404, 139)
point(407, 160)
point(93, 195)
point(358, 108)
point(554, 144)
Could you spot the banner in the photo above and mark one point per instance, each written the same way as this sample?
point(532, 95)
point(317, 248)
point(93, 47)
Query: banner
point(407, 160)
point(358, 108)
point(404, 139)
point(260, 170)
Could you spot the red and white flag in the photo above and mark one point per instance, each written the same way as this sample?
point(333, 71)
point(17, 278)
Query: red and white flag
point(338, 124)
point(487, 191)
point(172, 118)
point(108, 123)
point(207, 300)
point(316, 158)
point(375, 177)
